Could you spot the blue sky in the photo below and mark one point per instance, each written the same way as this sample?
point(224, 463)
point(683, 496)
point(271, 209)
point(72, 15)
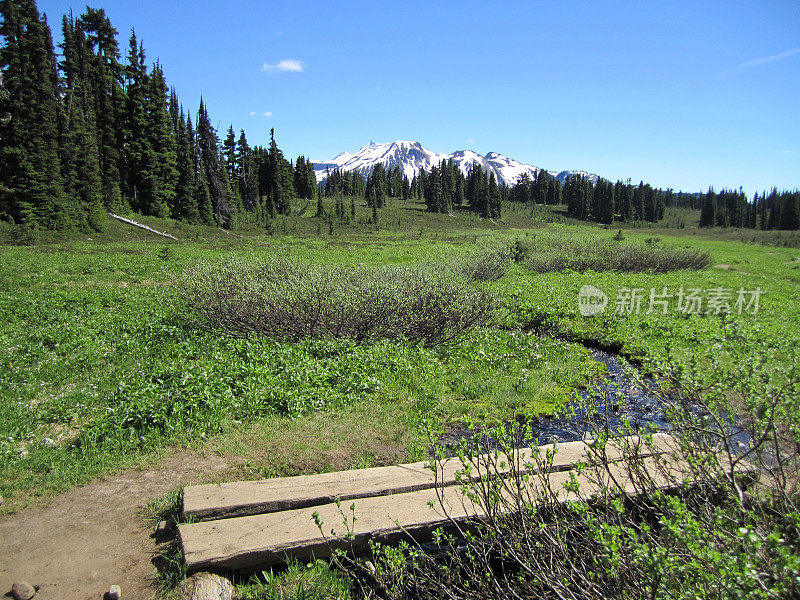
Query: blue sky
point(681, 94)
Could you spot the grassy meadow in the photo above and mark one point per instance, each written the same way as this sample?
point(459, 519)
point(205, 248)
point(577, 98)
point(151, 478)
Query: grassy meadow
point(104, 366)
point(102, 356)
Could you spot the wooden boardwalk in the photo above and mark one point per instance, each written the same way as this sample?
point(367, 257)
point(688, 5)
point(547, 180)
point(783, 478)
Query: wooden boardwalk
point(255, 524)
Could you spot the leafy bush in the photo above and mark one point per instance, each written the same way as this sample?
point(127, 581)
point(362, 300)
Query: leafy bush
point(577, 255)
point(291, 301)
point(711, 519)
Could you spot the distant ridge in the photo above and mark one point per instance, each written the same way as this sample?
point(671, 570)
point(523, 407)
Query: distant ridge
point(412, 156)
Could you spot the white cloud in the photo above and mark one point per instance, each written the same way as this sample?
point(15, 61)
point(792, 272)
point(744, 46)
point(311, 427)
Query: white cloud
point(760, 61)
point(290, 65)
point(787, 151)
point(470, 141)
point(253, 113)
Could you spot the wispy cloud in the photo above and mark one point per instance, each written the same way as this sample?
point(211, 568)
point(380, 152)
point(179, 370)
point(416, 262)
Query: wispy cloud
point(788, 151)
point(759, 61)
point(253, 113)
point(470, 141)
point(290, 65)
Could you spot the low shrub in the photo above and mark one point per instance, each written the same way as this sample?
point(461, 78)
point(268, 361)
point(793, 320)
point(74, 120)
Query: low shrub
point(287, 300)
point(575, 255)
point(489, 264)
point(685, 524)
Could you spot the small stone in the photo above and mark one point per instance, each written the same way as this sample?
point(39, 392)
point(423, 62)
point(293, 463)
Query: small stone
point(113, 593)
point(22, 590)
point(47, 443)
point(206, 586)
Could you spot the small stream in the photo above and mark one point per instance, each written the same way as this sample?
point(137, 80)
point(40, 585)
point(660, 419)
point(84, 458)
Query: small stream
point(616, 399)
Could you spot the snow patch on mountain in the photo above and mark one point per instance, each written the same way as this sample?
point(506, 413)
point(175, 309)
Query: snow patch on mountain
point(412, 156)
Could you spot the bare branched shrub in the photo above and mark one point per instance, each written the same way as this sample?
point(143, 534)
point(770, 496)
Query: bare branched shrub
point(489, 264)
point(570, 254)
point(287, 300)
point(702, 514)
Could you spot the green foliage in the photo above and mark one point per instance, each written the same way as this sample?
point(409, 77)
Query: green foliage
point(300, 581)
point(97, 357)
point(683, 525)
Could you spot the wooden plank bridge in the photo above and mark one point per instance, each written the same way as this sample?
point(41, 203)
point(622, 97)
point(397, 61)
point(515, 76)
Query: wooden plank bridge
point(255, 524)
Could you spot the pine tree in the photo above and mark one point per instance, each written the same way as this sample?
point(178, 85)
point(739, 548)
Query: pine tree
point(30, 167)
point(304, 179)
point(185, 205)
point(81, 156)
point(707, 212)
point(229, 154)
point(247, 176)
point(474, 189)
point(138, 154)
point(494, 205)
point(790, 212)
point(208, 150)
point(103, 74)
point(276, 177)
point(638, 202)
point(160, 172)
point(375, 192)
point(79, 148)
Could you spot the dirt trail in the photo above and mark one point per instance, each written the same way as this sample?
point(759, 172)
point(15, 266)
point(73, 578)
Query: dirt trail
point(90, 538)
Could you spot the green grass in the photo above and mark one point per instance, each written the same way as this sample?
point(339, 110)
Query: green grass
point(300, 581)
point(99, 354)
point(548, 303)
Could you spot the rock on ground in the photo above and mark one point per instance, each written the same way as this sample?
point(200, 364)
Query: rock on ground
point(113, 593)
point(206, 586)
point(22, 590)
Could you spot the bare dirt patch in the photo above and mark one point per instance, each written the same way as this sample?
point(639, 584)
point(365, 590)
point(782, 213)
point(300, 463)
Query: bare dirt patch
point(91, 537)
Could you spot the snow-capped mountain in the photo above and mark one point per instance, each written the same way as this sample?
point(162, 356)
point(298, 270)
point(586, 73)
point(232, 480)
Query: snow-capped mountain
point(413, 156)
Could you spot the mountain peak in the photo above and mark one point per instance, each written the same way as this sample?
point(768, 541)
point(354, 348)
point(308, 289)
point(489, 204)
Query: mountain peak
point(411, 157)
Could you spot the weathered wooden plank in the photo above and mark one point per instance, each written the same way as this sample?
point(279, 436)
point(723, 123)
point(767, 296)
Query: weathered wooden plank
point(241, 498)
point(267, 539)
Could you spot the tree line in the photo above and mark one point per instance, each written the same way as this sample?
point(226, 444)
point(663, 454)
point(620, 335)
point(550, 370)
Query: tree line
point(443, 189)
point(83, 132)
point(778, 210)
point(606, 202)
